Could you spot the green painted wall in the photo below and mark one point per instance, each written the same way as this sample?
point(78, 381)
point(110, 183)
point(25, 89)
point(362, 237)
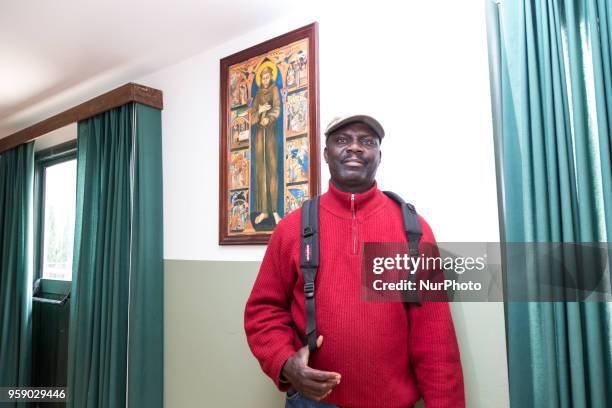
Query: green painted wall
point(207, 360)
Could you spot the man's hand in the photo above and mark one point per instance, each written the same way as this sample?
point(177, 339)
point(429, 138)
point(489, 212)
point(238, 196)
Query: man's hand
point(311, 383)
point(264, 121)
point(264, 108)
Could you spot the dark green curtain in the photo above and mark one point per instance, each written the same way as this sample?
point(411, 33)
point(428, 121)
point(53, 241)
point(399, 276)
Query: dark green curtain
point(146, 334)
point(16, 189)
point(116, 327)
point(556, 168)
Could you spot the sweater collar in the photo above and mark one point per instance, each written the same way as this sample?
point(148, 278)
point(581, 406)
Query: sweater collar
point(343, 203)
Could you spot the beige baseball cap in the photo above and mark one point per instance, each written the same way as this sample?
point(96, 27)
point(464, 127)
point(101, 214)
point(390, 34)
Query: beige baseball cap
point(341, 121)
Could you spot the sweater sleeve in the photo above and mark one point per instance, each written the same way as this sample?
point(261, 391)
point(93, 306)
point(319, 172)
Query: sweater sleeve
point(433, 348)
point(267, 318)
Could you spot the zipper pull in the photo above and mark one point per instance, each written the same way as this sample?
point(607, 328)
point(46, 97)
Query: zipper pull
point(353, 203)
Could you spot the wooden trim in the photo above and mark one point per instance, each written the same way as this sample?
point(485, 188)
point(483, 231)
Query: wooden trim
point(311, 33)
point(124, 94)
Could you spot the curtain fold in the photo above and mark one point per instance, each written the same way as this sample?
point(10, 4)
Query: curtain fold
point(16, 245)
point(146, 325)
point(118, 268)
point(556, 85)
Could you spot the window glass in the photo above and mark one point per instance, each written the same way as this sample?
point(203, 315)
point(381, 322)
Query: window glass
point(59, 214)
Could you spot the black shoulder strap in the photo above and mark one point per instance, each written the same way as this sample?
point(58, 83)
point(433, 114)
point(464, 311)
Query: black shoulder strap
point(412, 228)
point(412, 225)
point(309, 264)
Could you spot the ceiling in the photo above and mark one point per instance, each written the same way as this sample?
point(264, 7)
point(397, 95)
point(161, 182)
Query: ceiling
point(56, 54)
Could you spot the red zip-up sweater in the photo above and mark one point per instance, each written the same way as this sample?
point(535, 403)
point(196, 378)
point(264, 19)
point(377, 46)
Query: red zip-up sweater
point(387, 356)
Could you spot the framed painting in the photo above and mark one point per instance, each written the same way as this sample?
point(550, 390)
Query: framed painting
point(269, 135)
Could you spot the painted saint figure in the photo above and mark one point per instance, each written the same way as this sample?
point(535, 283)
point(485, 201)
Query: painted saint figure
point(243, 93)
point(265, 113)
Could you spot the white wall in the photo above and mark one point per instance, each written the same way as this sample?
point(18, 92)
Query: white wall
point(421, 68)
point(56, 137)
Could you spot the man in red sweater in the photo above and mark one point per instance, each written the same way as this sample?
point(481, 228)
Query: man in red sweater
point(370, 354)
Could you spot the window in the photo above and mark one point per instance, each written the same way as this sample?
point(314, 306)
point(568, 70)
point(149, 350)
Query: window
point(55, 211)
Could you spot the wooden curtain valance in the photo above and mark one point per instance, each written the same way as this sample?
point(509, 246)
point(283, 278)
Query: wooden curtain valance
point(124, 94)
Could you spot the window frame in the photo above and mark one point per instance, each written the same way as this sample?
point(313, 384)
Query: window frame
point(42, 160)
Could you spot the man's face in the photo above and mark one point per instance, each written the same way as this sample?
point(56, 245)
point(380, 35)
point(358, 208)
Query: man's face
point(353, 155)
point(265, 79)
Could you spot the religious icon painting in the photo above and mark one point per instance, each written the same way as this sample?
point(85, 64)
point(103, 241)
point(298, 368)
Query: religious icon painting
point(239, 170)
point(240, 127)
point(295, 196)
point(297, 113)
point(238, 210)
point(269, 135)
point(296, 160)
point(297, 74)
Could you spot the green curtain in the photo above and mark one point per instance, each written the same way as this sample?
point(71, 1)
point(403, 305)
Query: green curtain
point(16, 189)
point(116, 326)
point(556, 170)
point(145, 348)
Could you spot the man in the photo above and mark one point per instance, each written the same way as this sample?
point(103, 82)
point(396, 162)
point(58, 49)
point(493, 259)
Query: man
point(370, 354)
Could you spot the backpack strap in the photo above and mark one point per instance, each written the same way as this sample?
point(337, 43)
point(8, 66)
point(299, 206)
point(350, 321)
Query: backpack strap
point(309, 264)
point(412, 227)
